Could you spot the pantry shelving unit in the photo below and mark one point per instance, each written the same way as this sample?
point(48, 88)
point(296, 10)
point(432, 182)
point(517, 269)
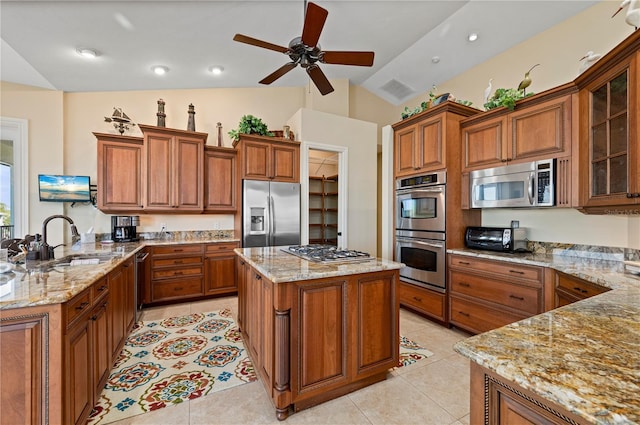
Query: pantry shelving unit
point(323, 210)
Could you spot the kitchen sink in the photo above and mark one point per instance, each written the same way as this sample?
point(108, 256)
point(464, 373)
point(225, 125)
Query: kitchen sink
point(84, 259)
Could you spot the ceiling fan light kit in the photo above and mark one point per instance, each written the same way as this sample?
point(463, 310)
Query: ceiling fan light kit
point(306, 52)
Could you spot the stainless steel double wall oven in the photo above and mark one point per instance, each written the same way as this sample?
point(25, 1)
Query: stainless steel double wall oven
point(420, 229)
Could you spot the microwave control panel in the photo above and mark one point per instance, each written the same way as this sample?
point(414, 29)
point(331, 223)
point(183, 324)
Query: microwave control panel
point(545, 183)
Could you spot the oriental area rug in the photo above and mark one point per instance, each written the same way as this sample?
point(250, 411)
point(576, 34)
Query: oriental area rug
point(170, 361)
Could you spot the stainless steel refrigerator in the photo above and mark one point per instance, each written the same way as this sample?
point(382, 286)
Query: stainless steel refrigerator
point(270, 213)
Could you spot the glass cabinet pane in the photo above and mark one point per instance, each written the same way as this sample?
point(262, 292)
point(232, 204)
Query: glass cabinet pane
point(618, 134)
point(599, 178)
point(618, 94)
point(599, 100)
point(599, 143)
point(618, 173)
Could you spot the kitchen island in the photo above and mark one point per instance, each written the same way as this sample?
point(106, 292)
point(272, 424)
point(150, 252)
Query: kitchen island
point(316, 331)
point(577, 364)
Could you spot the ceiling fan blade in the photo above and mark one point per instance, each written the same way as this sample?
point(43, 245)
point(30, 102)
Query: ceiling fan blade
point(314, 19)
point(319, 79)
point(259, 43)
point(278, 73)
point(348, 58)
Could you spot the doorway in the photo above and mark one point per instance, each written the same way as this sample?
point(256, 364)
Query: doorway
point(323, 177)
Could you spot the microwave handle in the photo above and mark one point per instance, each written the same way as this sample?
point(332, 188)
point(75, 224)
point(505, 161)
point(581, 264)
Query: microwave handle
point(530, 189)
point(433, 245)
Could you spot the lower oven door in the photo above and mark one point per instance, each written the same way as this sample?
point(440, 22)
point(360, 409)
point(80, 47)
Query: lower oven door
point(424, 261)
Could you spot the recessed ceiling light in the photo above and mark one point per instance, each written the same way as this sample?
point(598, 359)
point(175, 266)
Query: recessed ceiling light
point(87, 53)
point(160, 69)
point(216, 70)
point(473, 36)
point(435, 59)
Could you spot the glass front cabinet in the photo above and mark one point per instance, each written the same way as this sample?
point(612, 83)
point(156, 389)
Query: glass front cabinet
point(609, 141)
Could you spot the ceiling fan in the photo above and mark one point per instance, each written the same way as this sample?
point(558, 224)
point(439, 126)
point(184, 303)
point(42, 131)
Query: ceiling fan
point(306, 52)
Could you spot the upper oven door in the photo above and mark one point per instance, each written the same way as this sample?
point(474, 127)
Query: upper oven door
point(507, 190)
point(421, 209)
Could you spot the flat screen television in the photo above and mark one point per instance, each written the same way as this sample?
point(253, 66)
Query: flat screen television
point(57, 188)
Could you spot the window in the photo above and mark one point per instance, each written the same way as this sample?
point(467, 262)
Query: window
point(14, 183)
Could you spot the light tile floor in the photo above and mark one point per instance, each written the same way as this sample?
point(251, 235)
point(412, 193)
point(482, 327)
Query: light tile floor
point(432, 391)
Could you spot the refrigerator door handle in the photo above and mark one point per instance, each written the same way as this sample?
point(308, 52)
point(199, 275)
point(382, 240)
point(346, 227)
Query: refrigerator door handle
point(272, 230)
point(267, 225)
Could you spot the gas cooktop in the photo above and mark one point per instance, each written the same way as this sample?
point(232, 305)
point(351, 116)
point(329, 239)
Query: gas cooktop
point(327, 253)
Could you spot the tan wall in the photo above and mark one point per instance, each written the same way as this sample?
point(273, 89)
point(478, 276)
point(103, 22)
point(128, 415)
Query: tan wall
point(558, 51)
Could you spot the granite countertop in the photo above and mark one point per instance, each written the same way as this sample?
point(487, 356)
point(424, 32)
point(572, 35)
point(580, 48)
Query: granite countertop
point(585, 356)
point(40, 283)
point(279, 266)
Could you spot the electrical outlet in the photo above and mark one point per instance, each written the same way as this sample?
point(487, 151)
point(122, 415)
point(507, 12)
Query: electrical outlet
point(163, 226)
point(216, 225)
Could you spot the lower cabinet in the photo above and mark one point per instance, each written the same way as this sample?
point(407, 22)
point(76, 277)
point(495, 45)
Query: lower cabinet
point(495, 400)
point(87, 350)
point(487, 294)
point(569, 289)
point(177, 272)
point(314, 340)
point(220, 268)
point(122, 307)
point(424, 301)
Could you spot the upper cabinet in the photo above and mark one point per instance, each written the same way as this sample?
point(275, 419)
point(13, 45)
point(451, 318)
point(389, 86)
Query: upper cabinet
point(268, 158)
point(119, 173)
point(609, 138)
point(220, 180)
point(174, 161)
point(421, 141)
point(538, 128)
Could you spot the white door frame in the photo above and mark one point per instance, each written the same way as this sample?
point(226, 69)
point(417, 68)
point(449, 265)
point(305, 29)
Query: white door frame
point(16, 130)
point(343, 179)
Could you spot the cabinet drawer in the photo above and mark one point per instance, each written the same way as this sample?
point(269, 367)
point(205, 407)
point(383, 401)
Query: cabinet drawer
point(176, 261)
point(524, 298)
point(78, 305)
point(183, 271)
point(182, 288)
point(221, 247)
point(178, 249)
point(581, 289)
point(99, 289)
point(422, 299)
point(477, 317)
point(503, 268)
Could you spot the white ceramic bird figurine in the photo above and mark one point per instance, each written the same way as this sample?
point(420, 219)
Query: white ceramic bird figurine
point(589, 59)
point(487, 92)
point(633, 12)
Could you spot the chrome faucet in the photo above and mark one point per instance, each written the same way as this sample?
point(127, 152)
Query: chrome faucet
point(46, 251)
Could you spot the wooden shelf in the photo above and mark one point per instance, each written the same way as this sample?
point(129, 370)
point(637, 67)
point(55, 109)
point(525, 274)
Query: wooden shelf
point(324, 191)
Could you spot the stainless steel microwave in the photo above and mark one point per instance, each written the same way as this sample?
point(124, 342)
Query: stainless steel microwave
point(530, 184)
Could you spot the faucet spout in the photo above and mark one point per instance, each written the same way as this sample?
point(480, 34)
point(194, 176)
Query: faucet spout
point(46, 252)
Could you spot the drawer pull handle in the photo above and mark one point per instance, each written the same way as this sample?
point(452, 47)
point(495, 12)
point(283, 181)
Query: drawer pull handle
point(258, 277)
point(94, 317)
point(516, 271)
point(102, 288)
point(242, 263)
point(178, 250)
point(464, 314)
point(177, 288)
point(418, 299)
point(178, 262)
point(515, 297)
point(177, 273)
point(465, 284)
point(82, 306)
point(463, 262)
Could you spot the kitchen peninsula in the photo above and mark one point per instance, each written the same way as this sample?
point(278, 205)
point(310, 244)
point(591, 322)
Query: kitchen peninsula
point(316, 331)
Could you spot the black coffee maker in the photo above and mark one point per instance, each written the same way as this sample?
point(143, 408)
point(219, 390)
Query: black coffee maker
point(123, 228)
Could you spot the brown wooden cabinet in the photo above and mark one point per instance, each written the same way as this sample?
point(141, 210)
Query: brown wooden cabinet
point(539, 128)
point(424, 301)
point(174, 170)
point(486, 294)
point(422, 141)
point(119, 173)
point(122, 306)
point(177, 272)
point(495, 400)
point(609, 137)
point(220, 182)
point(569, 289)
point(311, 341)
point(268, 158)
point(220, 268)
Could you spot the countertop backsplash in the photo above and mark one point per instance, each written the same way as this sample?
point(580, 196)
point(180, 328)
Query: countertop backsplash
point(584, 251)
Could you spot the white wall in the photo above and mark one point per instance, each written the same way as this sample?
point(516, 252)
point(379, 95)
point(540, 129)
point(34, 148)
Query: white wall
point(360, 139)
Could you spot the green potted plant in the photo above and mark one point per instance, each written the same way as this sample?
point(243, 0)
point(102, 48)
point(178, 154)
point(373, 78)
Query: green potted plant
point(506, 98)
point(250, 125)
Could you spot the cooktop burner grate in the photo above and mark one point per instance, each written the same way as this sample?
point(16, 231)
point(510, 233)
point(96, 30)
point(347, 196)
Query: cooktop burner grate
point(327, 253)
